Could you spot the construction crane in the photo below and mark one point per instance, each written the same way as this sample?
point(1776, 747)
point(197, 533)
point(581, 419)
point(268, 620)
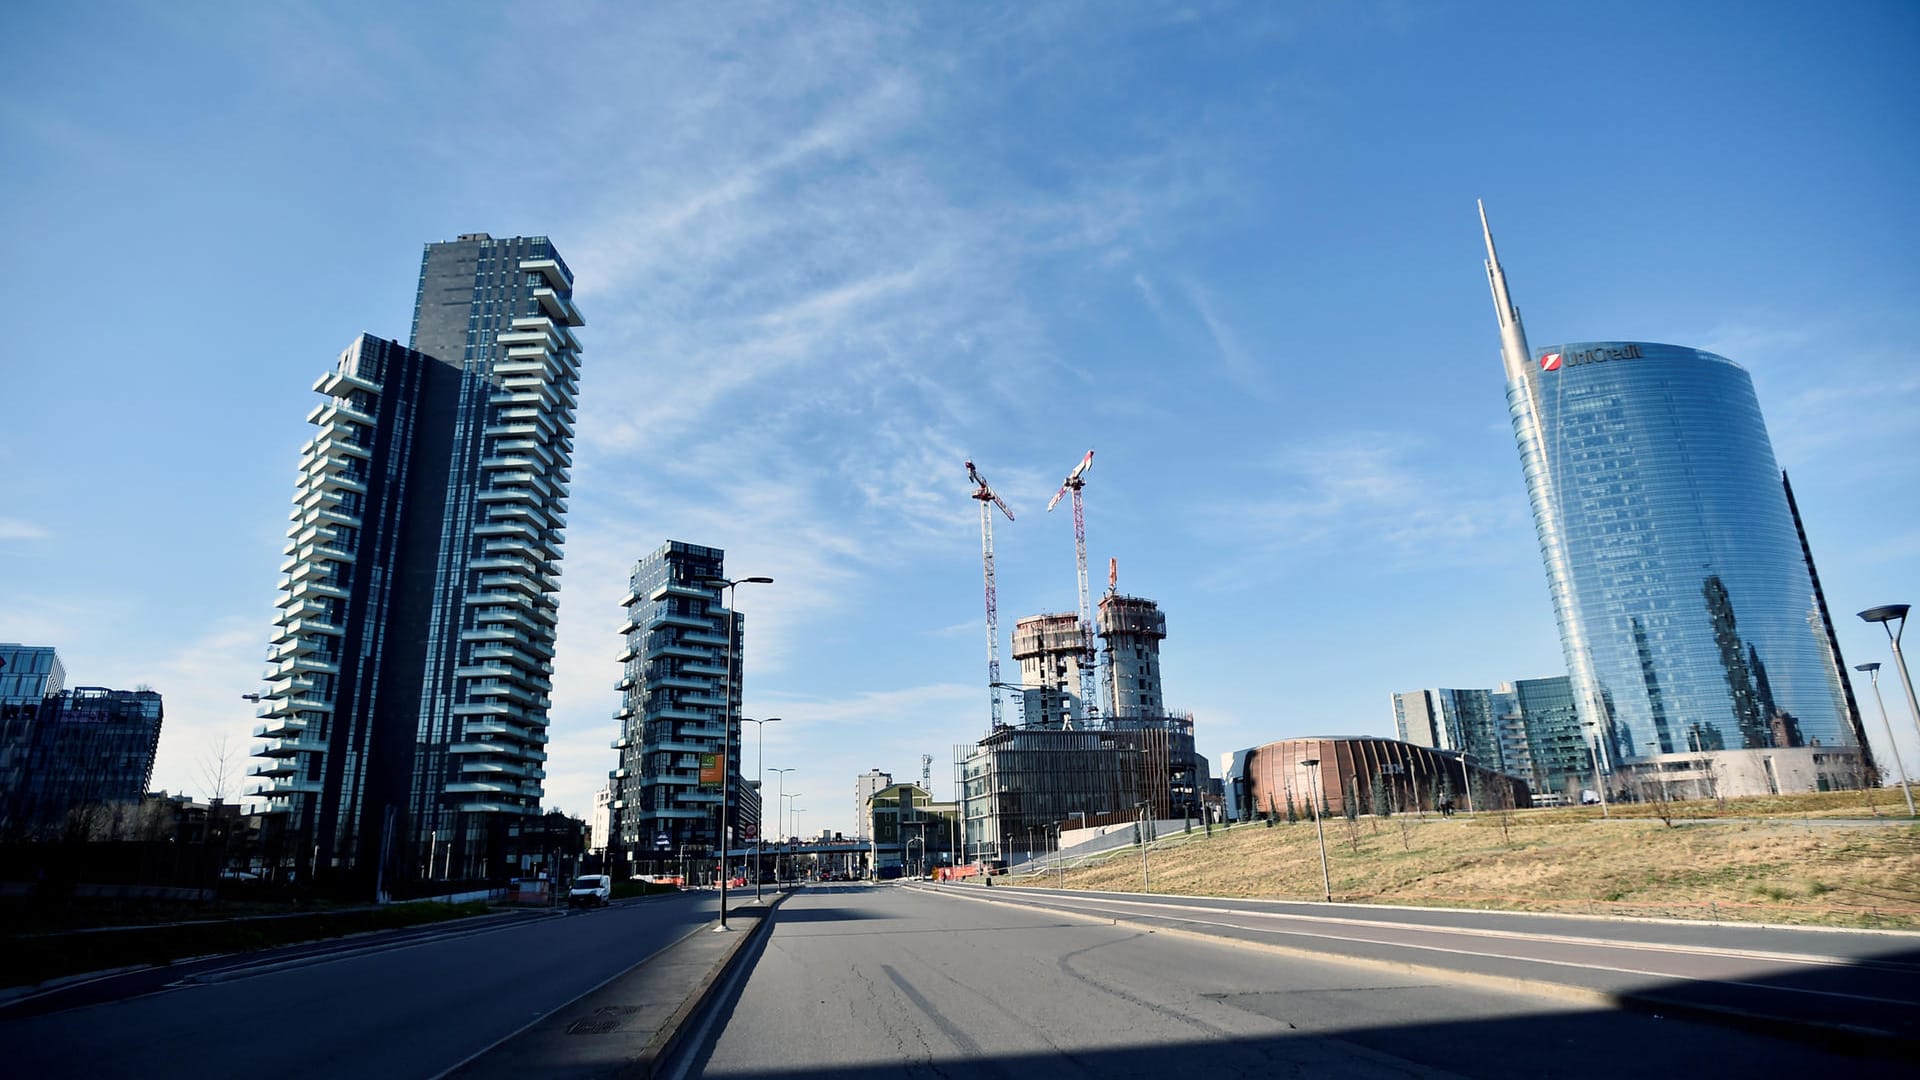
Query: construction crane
point(1076, 480)
point(988, 500)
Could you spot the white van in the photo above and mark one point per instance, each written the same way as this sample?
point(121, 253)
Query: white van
point(590, 890)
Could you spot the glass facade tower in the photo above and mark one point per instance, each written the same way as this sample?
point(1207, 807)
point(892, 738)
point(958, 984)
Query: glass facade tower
point(408, 676)
point(1688, 616)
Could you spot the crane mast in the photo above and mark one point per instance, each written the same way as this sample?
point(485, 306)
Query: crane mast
point(1075, 482)
point(988, 500)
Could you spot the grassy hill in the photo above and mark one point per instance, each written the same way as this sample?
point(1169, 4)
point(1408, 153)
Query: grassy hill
point(1790, 859)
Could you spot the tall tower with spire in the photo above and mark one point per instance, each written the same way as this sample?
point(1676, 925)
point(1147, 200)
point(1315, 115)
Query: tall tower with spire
point(1676, 572)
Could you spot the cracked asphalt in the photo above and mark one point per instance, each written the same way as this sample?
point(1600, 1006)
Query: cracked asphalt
point(879, 980)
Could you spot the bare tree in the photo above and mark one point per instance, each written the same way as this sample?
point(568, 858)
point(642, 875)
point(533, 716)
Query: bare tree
point(1655, 791)
point(217, 767)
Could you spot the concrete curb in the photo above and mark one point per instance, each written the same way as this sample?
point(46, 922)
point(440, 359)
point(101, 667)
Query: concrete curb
point(635, 1024)
point(1838, 1038)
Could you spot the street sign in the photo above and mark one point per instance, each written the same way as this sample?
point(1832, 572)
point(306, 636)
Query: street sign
point(663, 841)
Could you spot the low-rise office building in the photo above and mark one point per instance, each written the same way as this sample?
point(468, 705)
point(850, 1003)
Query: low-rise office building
point(907, 831)
point(1364, 774)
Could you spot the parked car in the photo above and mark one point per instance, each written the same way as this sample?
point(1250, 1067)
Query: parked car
point(590, 890)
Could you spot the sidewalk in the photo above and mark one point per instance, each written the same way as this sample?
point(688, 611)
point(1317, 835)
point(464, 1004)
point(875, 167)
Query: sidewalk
point(633, 1025)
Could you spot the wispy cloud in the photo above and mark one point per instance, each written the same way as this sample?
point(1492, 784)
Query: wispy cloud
point(1375, 496)
point(16, 529)
point(1835, 389)
point(203, 705)
point(1241, 368)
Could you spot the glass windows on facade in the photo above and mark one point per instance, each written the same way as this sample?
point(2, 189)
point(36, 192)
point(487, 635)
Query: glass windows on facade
point(1686, 610)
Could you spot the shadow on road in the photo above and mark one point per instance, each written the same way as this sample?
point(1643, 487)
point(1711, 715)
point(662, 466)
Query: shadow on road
point(826, 914)
point(1579, 1043)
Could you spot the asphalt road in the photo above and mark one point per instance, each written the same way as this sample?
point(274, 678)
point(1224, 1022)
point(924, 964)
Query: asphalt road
point(404, 1004)
point(862, 980)
point(1842, 982)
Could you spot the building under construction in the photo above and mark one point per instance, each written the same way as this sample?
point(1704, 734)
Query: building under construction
point(1018, 784)
point(1064, 762)
point(1132, 628)
point(1050, 651)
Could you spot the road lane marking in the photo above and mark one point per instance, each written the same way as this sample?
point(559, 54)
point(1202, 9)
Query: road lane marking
point(1585, 966)
point(1809, 959)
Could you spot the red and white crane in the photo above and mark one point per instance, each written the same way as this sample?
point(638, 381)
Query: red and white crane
point(988, 500)
point(1076, 480)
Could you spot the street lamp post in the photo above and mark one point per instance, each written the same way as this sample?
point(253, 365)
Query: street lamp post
point(1598, 784)
point(1319, 826)
point(908, 857)
point(760, 762)
point(1886, 615)
point(796, 832)
point(780, 813)
point(788, 827)
point(1873, 673)
point(1146, 883)
point(726, 732)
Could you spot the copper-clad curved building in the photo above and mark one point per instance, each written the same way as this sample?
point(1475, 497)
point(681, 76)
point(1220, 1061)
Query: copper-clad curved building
point(1268, 779)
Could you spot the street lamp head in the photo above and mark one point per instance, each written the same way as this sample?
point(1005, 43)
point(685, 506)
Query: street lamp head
point(728, 583)
point(1310, 762)
point(1886, 613)
point(1869, 668)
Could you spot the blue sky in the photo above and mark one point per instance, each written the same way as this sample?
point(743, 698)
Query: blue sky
point(827, 253)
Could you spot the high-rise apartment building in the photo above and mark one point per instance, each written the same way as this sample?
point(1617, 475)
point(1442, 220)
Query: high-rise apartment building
point(1687, 612)
point(1132, 629)
point(864, 787)
point(407, 687)
point(1051, 651)
point(680, 704)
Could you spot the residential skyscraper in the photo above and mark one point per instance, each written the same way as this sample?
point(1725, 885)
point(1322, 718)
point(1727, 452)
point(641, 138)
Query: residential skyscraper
point(676, 703)
point(406, 701)
point(1687, 614)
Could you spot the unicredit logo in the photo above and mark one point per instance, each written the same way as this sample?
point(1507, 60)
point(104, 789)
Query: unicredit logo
point(1554, 361)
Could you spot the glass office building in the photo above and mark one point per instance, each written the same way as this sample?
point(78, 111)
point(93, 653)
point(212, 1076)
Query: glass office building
point(86, 758)
point(1688, 615)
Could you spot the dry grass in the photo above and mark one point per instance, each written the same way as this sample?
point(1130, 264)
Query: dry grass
point(1761, 860)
